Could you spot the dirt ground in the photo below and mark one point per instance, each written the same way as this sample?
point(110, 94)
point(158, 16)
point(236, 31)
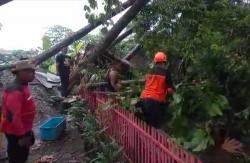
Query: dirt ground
point(69, 148)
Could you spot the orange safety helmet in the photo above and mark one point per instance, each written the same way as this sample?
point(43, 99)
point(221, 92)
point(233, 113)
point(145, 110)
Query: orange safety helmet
point(160, 57)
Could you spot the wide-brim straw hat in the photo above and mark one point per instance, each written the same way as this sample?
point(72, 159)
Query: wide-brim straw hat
point(23, 65)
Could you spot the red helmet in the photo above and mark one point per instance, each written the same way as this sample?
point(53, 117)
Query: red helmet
point(160, 57)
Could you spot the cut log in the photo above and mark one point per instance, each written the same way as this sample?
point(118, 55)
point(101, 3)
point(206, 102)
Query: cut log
point(74, 37)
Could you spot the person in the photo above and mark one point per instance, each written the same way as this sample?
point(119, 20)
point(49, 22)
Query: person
point(113, 77)
point(157, 88)
point(3, 151)
point(18, 109)
point(63, 70)
point(1, 94)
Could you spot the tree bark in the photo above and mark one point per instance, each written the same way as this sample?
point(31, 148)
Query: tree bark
point(76, 36)
point(2, 2)
point(132, 53)
point(114, 31)
point(123, 36)
point(79, 34)
point(104, 43)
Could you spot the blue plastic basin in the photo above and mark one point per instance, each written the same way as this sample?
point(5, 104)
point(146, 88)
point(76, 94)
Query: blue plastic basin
point(52, 128)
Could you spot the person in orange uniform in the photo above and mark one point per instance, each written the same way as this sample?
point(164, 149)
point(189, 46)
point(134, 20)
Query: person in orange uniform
point(18, 111)
point(157, 88)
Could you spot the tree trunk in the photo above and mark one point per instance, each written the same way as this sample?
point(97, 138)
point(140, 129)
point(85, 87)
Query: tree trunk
point(114, 31)
point(123, 36)
point(76, 36)
point(79, 34)
point(105, 43)
point(2, 2)
point(132, 53)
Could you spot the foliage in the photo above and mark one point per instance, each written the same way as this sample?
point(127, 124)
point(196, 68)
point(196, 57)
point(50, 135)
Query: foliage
point(81, 44)
point(102, 150)
point(93, 7)
point(51, 37)
point(55, 34)
point(207, 43)
point(125, 46)
point(14, 55)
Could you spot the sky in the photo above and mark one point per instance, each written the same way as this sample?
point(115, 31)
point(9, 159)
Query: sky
point(25, 21)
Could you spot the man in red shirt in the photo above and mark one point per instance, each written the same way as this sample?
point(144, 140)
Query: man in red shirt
point(18, 111)
point(157, 88)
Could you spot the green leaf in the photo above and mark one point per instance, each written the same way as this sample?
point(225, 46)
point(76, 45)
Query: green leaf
point(46, 43)
point(214, 110)
point(79, 46)
point(201, 140)
point(222, 101)
point(243, 114)
point(177, 98)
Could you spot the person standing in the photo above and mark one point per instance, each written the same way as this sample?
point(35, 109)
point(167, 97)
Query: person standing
point(3, 151)
point(157, 88)
point(1, 95)
point(18, 109)
point(63, 70)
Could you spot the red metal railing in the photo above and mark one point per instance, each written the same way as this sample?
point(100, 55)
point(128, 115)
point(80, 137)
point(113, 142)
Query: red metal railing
point(141, 143)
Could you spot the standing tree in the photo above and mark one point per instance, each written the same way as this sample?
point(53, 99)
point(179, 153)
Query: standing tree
point(52, 37)
point(55, 34)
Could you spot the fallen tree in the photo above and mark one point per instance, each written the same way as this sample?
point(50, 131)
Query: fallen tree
point(107, 41)
point(107, 55)
point(123, 36)
point(75, 36)
point(132, 53)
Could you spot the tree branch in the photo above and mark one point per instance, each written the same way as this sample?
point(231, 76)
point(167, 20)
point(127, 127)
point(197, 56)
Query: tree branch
point(2, 2)
point(76, 36)
point(123, 36)
point(106, 42)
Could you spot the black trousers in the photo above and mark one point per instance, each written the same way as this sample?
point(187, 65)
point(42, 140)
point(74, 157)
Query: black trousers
point(64, 84)
point(154, 112)
point(16, 153)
